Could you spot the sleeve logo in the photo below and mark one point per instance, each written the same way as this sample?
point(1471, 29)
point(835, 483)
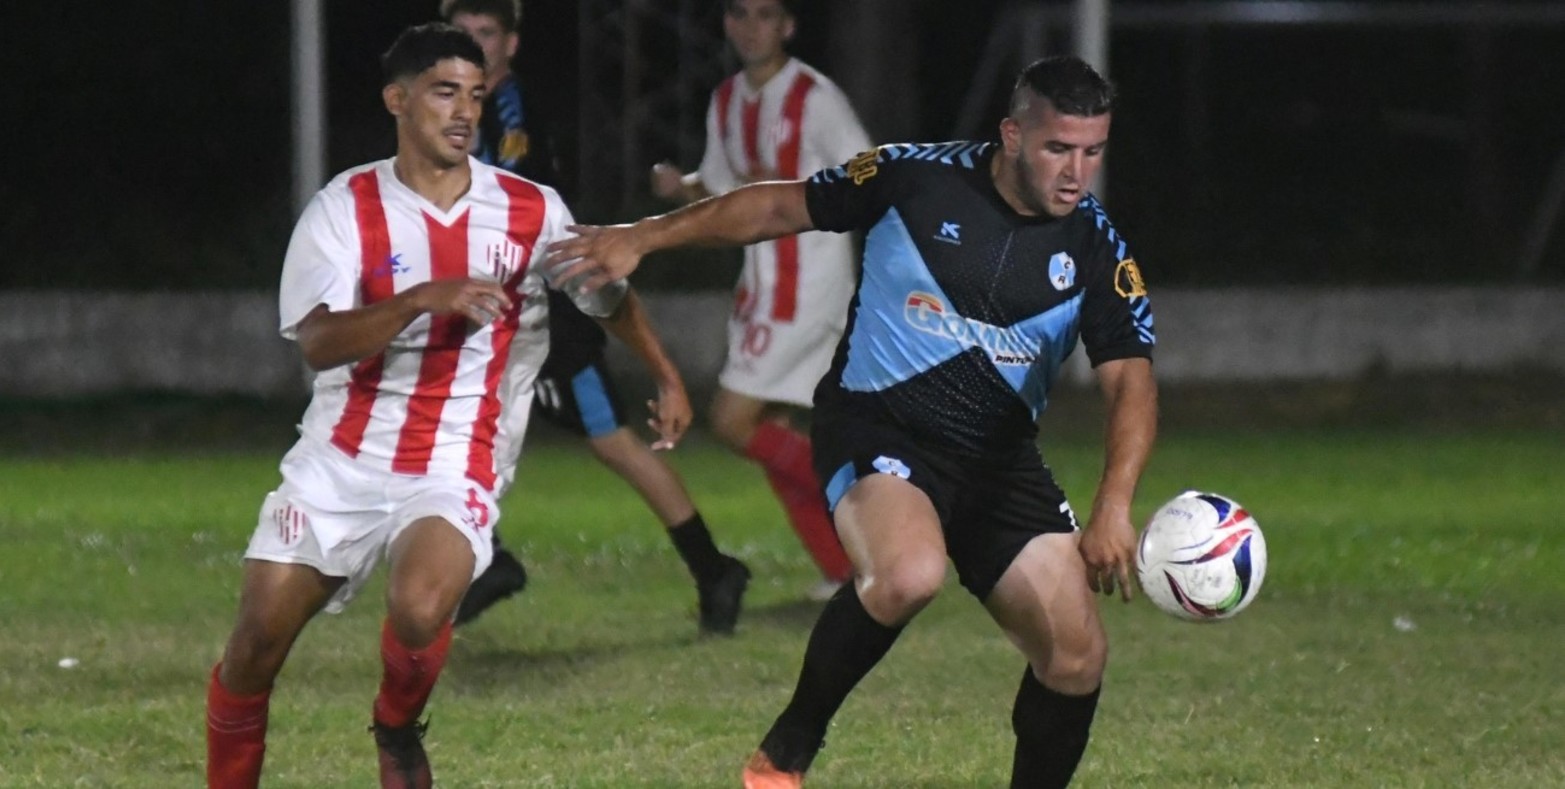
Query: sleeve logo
point(1127, 280)
point(514, 146)
point(863, 167)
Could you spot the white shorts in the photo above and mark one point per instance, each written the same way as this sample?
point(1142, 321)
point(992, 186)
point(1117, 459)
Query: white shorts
point(340, 517)
point(781, 362)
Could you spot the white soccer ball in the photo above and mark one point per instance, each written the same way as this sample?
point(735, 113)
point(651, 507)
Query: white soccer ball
point(1202, 557)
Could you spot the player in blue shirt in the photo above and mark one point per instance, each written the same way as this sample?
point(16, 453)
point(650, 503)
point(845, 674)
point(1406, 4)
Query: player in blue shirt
point(983, 265)
point(575, 389)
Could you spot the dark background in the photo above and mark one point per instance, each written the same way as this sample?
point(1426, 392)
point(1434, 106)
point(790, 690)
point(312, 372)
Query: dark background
point(151, 145)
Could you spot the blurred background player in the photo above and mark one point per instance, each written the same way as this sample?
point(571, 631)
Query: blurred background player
point(778, 118)
point(414, 286)
point(575, 389)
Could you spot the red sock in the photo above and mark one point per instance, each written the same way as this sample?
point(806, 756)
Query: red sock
point(235, 736)
point(785, 455)
point(785, 452)
point(408, 676)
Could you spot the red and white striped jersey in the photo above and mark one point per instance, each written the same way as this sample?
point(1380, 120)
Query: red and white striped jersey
point(432, 402)
point(799, 122)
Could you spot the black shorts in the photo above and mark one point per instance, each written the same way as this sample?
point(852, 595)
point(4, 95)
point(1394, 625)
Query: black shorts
point(988, 511)
point(576, 392)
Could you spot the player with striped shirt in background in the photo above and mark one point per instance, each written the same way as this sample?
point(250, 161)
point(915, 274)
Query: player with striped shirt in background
point(415, 286)
point(575, 387)
point(778, 118)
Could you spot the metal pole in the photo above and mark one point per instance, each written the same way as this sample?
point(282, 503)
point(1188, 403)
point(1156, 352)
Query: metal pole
point(309, 101)
point(1092, 33)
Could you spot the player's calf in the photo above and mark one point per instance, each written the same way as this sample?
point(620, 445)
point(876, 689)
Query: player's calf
point(235, 735)
point(1051, 734)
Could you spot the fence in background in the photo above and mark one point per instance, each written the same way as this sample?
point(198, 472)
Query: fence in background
point(63, 344)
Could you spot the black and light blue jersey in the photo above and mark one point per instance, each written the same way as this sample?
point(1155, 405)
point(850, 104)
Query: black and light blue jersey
point(503, 138)
point(965, 309)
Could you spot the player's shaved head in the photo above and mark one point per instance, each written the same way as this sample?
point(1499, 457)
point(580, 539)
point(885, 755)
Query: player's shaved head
point(1067, 82)
point(507, 12)
point(419, 48)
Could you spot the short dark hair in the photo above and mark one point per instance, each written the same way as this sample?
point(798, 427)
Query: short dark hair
point(419, 48)
point(790, 6)
point(509, 12)
point(1072, 86)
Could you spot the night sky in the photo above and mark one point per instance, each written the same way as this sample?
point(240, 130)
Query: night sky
point(155, 140)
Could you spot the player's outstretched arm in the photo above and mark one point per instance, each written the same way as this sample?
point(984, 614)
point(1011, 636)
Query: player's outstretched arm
point(331, 339)
point(758, 212)
point(1109, 544)
point(671, 414)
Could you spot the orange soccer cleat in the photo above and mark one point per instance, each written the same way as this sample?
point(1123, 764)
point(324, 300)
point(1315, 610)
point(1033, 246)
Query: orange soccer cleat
point(760, 773)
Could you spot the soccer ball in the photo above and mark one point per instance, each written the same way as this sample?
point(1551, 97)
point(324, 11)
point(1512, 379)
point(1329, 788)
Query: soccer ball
point(1202, 557)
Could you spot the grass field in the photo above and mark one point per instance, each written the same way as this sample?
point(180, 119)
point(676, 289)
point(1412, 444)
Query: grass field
point(128, 561)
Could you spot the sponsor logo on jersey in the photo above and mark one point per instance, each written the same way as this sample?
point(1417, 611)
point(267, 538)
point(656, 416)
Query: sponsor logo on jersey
point(950, 232)
point(1062, 271)
point(1009, 346)
point(1127, 279)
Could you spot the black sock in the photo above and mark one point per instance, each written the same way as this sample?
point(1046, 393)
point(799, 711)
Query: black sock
point(695, 546)
point(845, 644)
point(1051, 734)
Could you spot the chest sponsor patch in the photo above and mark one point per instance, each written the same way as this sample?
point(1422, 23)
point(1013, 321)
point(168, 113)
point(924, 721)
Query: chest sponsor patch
point(927, 313)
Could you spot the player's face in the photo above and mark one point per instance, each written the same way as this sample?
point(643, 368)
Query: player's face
point(757, 29)
point(437, 111)
point(499, 44)
point(1056, 155)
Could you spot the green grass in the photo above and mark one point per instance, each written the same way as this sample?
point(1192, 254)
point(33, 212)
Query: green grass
point(594, 677)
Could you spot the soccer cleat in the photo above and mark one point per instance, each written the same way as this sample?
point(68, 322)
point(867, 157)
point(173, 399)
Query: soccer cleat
point(760, 773)
point(504, 577)
point(403, 764)
point(720, 597)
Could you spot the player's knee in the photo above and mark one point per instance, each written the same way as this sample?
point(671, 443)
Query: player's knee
point(610, 451)
point(1076, 661)
point(895, 594)
point(417, 615)
point(253, 657)
point(732, 428)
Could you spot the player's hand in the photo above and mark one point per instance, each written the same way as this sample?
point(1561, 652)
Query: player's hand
point(479, 301)
point(668, 182)
point(594, 257)
point(1108, 546)
point(671, 416)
